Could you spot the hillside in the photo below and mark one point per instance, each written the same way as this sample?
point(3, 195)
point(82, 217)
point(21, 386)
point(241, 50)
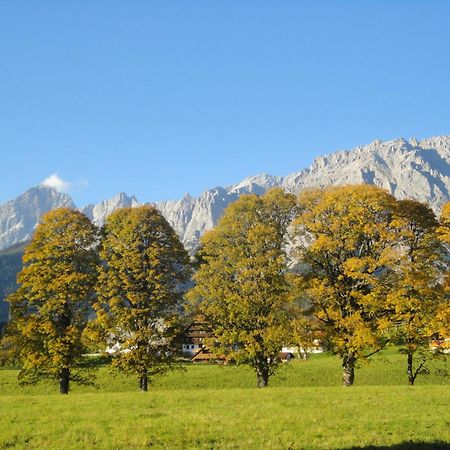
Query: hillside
point(10, 265)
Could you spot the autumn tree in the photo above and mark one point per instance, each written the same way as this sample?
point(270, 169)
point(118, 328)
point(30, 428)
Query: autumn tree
point(342, 235)
point(416, 284)
point(9, 345)
point(304, 332)
point(443, 313)
point(444, 228)
point(242, 286)
point(140, 291)
point(49, 310)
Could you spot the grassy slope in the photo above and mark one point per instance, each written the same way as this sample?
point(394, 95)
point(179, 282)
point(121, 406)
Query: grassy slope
point(217, 407)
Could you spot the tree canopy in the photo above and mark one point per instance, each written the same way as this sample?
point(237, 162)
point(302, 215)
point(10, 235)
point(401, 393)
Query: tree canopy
point(140, 291)
point(416, 292)
point(443, 313)
point(50, 308)
point(343, 235)
point(242, 286)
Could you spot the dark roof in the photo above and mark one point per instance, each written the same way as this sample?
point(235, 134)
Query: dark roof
point(198, 330)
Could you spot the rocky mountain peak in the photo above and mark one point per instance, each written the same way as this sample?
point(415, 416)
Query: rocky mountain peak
point(98, 213)
point(19, 217)
point(406, 168)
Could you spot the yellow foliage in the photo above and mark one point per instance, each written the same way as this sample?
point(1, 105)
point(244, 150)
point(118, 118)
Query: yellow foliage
point(242, 286)
point(343, 234)
point(56, 291)
point(140, 290)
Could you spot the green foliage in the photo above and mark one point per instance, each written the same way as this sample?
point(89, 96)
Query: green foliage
point(9, 345)
point(242, 286)
point(49, 310)
point(139, 291)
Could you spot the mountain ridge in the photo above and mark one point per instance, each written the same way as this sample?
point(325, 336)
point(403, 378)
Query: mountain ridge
point(18, 217)
point(406, 168)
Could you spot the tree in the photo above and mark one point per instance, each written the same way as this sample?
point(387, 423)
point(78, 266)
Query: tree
point(242, 286)
point(49, 310)
point(443, 313)
point(444, 229)
point(139, 291)
point(9, 345)
point(417, 291)
point(342, 235)
point(304, 332)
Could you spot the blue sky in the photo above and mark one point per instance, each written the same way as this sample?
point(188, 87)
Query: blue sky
point(160, 98)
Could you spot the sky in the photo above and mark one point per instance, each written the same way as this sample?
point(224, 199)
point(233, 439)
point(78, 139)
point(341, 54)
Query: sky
point(161, 98)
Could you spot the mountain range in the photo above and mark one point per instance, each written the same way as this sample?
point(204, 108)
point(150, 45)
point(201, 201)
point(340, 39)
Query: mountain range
point(406, 168)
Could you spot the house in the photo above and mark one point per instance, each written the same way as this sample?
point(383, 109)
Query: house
point(195, 335)
point(194, 342)
point(301, 352)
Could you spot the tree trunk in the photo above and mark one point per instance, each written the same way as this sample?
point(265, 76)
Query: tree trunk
point(348, 372)
point(143, 383)
point(262, 376)
point(411, 376)
point(64, 377)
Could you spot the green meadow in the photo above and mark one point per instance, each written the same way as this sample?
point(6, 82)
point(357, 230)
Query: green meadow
point(209, 407)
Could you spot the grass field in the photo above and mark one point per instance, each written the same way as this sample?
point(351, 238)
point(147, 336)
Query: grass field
point(218, 407)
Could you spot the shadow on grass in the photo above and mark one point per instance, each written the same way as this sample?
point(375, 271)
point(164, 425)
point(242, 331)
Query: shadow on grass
point(410, 445)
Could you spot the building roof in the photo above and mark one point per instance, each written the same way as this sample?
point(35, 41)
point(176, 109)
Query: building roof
point(204, 355)
point(197, 331)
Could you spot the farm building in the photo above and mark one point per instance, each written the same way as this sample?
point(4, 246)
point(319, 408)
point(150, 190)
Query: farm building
point(194, 342)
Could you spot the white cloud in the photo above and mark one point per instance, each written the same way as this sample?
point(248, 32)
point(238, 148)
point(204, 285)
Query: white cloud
point(55, 182)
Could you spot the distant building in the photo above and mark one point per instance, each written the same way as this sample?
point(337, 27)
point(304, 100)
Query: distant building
point(194, 342)
point(195, 335)
point(440, 346)
point(301, 352)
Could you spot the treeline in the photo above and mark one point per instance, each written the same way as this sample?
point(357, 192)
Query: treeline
point(10, 266)
point(351, 265)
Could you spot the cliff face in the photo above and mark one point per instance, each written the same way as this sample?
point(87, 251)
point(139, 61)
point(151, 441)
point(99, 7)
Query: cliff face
point(98, 213)
point(413, 169)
